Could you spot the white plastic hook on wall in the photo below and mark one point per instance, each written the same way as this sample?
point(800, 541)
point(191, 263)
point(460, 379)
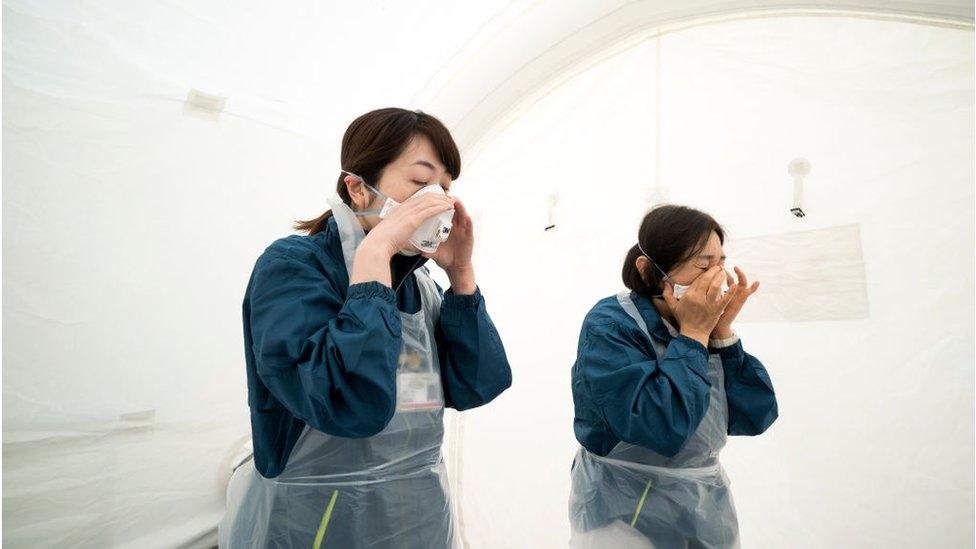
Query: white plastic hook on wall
point(553, 202)
point(798, 169)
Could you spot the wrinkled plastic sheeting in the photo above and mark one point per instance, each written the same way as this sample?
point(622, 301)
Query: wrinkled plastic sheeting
point(107, 484)
point(806, 275)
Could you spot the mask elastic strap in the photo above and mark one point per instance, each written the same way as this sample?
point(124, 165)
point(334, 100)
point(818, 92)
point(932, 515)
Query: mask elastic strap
point(656, 266)
point(374, 190)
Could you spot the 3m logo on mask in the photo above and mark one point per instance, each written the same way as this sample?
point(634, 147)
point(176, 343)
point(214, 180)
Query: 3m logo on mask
point(433, 242)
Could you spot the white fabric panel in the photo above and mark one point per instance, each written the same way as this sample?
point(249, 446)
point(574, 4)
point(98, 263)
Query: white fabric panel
point(874, 445)
point(309, 67)
point(129, 233)
point(806, 275)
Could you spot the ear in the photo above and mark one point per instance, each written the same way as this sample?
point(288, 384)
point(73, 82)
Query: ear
point(643, 266)
point(357, 191)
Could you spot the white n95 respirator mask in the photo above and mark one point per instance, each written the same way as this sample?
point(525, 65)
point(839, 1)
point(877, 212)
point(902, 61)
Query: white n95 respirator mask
point(681, 289)
point(430, 234)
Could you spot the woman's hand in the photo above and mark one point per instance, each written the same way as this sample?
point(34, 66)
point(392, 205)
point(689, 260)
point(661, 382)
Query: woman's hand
point(454, 255)
point(392, 234)
point(699, 310)
point(723, 329)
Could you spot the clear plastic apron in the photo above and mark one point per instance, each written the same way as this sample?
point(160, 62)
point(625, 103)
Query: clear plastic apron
point(388, 490)
point(635, 497)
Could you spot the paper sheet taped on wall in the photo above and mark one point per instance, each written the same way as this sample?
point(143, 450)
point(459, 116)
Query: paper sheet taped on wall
point(804, 276)
point(204, 105)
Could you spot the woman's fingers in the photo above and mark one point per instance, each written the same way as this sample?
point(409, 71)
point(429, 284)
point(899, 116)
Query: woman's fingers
point(729, 296)
point(704, 281)
point(425, 209)
point(461, 215)
point(668, 294)
point(459, 206)
point(743, 281)
point(428, 199)
point(715, 285)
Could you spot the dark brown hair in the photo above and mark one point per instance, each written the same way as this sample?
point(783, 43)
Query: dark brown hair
point(670, 235)
point(376, 139)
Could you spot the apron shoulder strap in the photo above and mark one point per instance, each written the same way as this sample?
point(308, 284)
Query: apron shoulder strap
point(623, 298)
point(351, 233)
point(625, 301)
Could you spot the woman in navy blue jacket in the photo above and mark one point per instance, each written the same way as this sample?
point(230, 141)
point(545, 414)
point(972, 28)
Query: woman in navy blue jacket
point(353, 352)
point(659, 381)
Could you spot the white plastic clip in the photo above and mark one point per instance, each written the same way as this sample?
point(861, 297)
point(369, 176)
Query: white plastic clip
point(204, 105)
point(553, 205)
point(798, 169)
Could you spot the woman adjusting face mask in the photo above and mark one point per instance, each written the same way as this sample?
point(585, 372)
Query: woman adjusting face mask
point(349, 366)
point(659, 384)
point(430, 234)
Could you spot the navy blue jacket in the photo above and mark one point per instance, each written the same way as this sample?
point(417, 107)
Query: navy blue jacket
point(623, 391)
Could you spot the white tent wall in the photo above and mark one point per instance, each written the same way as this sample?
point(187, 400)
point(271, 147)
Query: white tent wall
point(122, 291)
point(130, 229)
